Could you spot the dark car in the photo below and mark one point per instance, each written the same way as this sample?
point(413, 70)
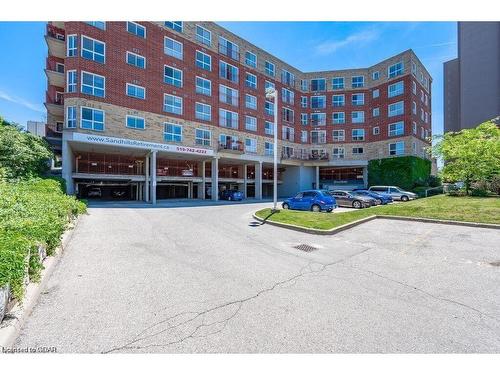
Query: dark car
point(381, 198)
point(311, 200)
point(347, 199)
point(94, 192)
point(231, 195)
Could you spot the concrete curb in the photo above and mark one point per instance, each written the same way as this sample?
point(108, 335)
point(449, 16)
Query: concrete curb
point(369, 218)
point(9, 331)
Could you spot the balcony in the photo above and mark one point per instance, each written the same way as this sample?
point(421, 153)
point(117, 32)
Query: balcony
point(55, 73)
point(55, 39)
point(232, 146)
point(313, 155)
point(229, 52)
point(54, 104)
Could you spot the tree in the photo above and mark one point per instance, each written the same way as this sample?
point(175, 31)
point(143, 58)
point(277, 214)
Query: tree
point(470, 155)
point(21, 154)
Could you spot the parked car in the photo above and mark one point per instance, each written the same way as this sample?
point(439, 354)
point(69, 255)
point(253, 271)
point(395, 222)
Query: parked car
point(311, 200)
point(94, 192)
point(231, 195)
point(380, 198)
point(395, 192)
point(347, 199)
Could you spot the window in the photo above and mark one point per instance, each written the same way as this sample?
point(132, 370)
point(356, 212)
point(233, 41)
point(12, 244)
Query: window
point(228, 71)
point(59, 68)
point(395, 89)
point(414, 87)
point(357, 150)
point(288, 133)
point(396, 109)
point(303, 136)
point(288, 114)
point(338, 152)
point(376, 112)
point(71, 117)
point(422, 96)
point(357, 117)
point(203, 35)
point(228, 95)
point(250, 101)
point(135, 91)
point(287, 78)
point(269, 108)
point(303, 101)
point(414, 68)
point(358, 134)
point(136, 60)
point(93, 49)
point(304, 119)
point(172, 133)
point(287, 152)
point(268, 85)
point(251, 59)
point(426, 133)
point(422, 114)
point(414, 148)
point(338, 118)
point(397, 148)
point(135, 122)
point(414, 127)
point(269, 128)
point(268, 149)
point(357, 82)
point(338, 100)
point(376, 130)
point(173, 48)
point(338, 83)
point(71, 81)
point(173, 76)
point(91, 118)
point(414, 108)
point(136, 29)
point(426, 118)
point(250, 145)
point(203, 86)
point(93, 84)
point(203, 112)
point(174, 25)
point(203, 61)
point(318, 137)
point(375, 93)
point(172, 104)
point(251, 123)
point(395, 70)
point(426, 101)
point(228, 119)
point(422, 133)
point(99, 24)
point(202, 137)
point(71, 46)
point(318, 84)
point(251, 80)
point(358, 99)
point(396, 129)
point(229, 49)
point(338, 135)
point(318, 102)
point(318, 119)
point(304, 84)
point(269, 68)
point(375, 75)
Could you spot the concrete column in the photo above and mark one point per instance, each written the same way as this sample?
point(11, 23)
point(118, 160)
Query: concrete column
point(153, 177)
point(258, 180)
point(365, 176)
point(316, 180)
point(67, 167)
point(245, 180)
point(215, 179)
point(146, 183)
point(202, 187)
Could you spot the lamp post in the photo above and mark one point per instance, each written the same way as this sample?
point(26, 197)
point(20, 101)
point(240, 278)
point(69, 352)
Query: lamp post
point(272, 93)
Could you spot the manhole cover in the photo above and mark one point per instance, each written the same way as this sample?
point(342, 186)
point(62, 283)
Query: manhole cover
point(495, 264)
point(306, 248)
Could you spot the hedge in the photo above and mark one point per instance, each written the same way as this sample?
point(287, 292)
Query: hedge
point(406, 172)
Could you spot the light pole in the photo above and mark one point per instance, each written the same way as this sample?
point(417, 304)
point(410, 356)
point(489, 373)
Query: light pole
point(272, 93)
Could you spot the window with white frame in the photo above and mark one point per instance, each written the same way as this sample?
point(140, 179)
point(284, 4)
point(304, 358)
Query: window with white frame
point(338, 83)
point(426, 118)
point(414, 148)
point(338, 118)
point(414, 127)
point(318, 137)
point(376, 112)
point(375, 75)
point(71, 117)
point(228, 71)
point(358, 134)
point(318, 84)
point(93, 84)
point(172, 104)
point(357, 82)
point(203, 61)
point(304, 85)
point(414, 87)
point(135, 122)
point(269, 108)
point(357, 117)
point(338, 100)
point(375, 93)
point(269, 128)
point(202, 137)
point(395, 89)
point(422, 133)
point(396, 109)
point(287, 151)
point(93, 49)
point(414, 68)
point(269, 68)
point(396, 129)
point(174, 25)
point(358, 99)
point(172, 132)
point(422, 114)
point(357, 150)
point(318, 102)
point(287, 96)
point(288, 133)
point(228, 119)
point(203, 112)
point(203, 86)
point(318, 119)
point(251, 145)
point(228, 48)
point(250, 80)
point(395, 69)
point(250, 101)
point(251, 123)
point(136, 60)
point(414, 108)
point(288, 114)
point(92, 119)
point(228, 95)
point(135, 91)
point(287, 78)
point(303, 101)
point(303, 136)
point(397, 148)
point(251, 59)
point(338, 135)
point(268, 85)
point(426, 100)
point(304, 119)
point(338, 152)
point(173, 48)
point(71, 45)
point(203, 35)
point(422, 96)
point(172, 76)
point(376, 130)
point(268, 148)
point(136, 29)
point(71, 81)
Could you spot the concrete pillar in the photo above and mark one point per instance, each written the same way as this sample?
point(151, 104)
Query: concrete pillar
point(67, 167)
point(153, 177)
point(365, 176)
point(245, 180)
point(146, 183)
point(215, 179)
point(202, 187)
point(258, 180)
point(316, 179)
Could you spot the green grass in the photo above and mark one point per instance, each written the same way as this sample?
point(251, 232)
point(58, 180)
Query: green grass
point(473, 209)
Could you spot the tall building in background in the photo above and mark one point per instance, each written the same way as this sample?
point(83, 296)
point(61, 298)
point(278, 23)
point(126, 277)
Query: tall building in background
point(472, 81)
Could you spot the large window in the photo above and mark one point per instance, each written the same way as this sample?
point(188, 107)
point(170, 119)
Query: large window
point(250, 101)
point(228, 71)
point(203, 86)
point(358, 134)
point(228, 119)
point(203, 112)
point(268, 148)
point(395, 89)
point(395, 70)
point(318, 119)
point(229, 49)
point(174, 25)
point(357, 117)
point(338, 83)
point(318, 137)
point(71, 45)
point(173, 48)
point(269, 128)
point(396, 109)
point(269, 68)
point(287, 78)
point(135, 91)
point(318, 102)
point(203, 137)
point(287, 96)
point(172, 133)
point(338, 100)
point(135, 122)
point(203, 61)
point(93, 49)
point(288, 114)
point(288, 133)
point(338, 135)
point(304, 119)
point(172, 104)
point(338, 152)
point(251, 80)
point(318, 84)
point(203, 35)
point(358, 99)
point(250, 145)
point(303, 101)
point(357, 82)
point(136, 60)
point(72, 81)
point(136, 29)
point(338, 118)
point(173, 76)
point(251, 123)
point(396, 129)
point(397, 148)
point(251, 59)
point(228, 95)
point(269, 108)
point(71, 117)
point(93, 84)
point(91, 118)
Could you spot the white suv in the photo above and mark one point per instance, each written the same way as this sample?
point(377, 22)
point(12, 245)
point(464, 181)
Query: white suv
point(395, 192)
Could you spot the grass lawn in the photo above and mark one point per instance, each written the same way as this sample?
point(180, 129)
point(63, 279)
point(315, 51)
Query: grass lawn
point(479, 210)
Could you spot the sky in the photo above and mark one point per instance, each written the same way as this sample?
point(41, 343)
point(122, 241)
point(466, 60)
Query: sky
point(308, 46)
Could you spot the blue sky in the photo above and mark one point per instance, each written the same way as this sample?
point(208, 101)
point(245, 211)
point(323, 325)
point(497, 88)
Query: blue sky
point(308, 46)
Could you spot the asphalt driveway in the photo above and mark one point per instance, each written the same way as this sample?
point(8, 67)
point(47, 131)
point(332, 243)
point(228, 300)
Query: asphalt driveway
point(204, 279)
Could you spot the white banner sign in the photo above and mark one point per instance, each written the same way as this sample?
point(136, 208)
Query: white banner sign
point(123, 142)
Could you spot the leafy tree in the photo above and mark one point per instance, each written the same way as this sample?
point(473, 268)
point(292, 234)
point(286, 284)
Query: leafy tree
point(21, 154)
point(470, 155)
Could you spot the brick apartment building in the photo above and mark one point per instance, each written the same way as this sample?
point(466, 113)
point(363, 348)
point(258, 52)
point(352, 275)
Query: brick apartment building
point(178, 110)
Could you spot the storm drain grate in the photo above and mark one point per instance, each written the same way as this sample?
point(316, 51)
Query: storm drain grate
point(495, 264)
point(306, 248)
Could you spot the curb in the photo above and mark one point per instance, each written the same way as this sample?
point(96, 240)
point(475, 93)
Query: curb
point(441, 221)
point(21, 311)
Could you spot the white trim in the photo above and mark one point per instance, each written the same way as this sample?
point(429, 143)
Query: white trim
point(135, 54)
point(68, 37)
point(94, 74)
point(196, 35)
point(136, 86)
point(137, 24)
point(203, 63)
point(135, 117)
point(95, 40)
point(164, 76)
point(93, 109)
point(174, 51)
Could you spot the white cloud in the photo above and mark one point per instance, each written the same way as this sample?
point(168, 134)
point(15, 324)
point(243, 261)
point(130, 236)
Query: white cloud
point(358, 38)
point(21, 102)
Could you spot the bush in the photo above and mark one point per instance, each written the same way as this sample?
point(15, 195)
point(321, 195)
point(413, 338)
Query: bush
point(434, 181)
point(14, 249)
point(479, 193)
point(406, 172)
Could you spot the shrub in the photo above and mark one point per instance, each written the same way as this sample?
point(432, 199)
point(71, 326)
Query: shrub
point(434, 181)
point(479, 193)
point(14, 249)
point(406, 172)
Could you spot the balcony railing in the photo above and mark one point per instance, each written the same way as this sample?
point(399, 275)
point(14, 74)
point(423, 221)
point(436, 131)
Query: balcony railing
point(235, 55)
point(232, 146)
point(54, 99)
point(108, 164)
point(56, 32)
point(53, 131)
point(305, 156)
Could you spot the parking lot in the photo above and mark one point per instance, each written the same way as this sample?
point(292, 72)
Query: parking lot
point(207, 279)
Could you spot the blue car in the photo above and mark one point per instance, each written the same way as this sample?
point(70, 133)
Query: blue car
point(231, 195)
point(379, 197)
point(311, 200)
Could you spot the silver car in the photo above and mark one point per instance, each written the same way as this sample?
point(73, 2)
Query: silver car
point(348, 199)
point(395, 192)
